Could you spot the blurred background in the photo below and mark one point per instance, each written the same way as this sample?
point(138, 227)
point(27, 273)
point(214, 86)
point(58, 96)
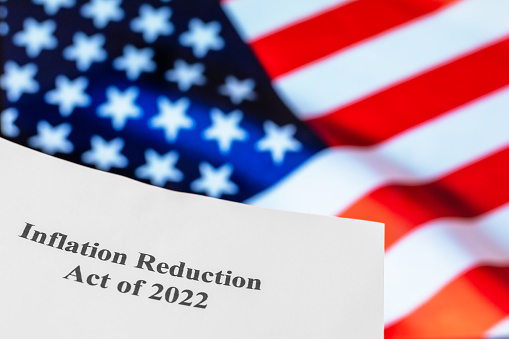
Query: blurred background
point(395, 111)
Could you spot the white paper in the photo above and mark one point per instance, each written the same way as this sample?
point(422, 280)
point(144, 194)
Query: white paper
point(299, 276)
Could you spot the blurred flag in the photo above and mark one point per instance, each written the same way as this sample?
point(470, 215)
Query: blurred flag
point(389, 110)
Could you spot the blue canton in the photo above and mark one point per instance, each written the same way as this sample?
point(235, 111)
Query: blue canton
point(164, 92)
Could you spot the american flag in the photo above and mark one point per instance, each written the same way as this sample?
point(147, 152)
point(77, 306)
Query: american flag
point(395, 111)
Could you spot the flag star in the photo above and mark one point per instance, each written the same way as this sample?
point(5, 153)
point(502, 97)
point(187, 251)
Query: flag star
point(102, 12)
point(278, 141)
point(214, 182)
point(17, 80)
point(105, 155)
point(202, 37)
point(172, 117)
point(36, 36)
point(186, 75)
point(7, 118)
point(86, 50)
point(152, 23)
point(52, 139)
point(51, 7)
point(135, 61)
point(225, 129)
point(238, 90)
point(160, 168)
point(68, 94)
point(120, 106)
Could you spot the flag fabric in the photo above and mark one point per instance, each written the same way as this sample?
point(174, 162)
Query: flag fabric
point(395, 111)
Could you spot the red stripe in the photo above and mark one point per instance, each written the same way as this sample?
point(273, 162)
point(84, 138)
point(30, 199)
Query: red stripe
point(465, 308)
point(321, 35)
point(424, 97)
point(468, 192)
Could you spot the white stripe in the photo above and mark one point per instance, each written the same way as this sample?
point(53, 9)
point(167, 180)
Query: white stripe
point(335, 178)
point(255, 18)
point(423, 262)
point(362, 70)
point(500, 330)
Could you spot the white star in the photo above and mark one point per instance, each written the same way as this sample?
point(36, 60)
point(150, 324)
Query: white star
point(36, 36)
point(120, 106)
point(172, 117)
point(51, 7)
point(225, 129)
point(86, 50)
point(238, 90)
point(135, 61)
point(152, 23)
point(8, 116)
point(68, 94)
point(215, 182)
point(102, 12)
point(105, 154)
point(186, 75)
point(202, 37)
point(52, 139)
point(160, 168)
point(17, 80)
point(278, 141)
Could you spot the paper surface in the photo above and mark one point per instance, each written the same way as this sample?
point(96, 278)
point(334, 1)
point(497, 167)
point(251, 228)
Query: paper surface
point(87, 254)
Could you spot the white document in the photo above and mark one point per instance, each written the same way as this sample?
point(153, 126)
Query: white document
point(87, 254)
